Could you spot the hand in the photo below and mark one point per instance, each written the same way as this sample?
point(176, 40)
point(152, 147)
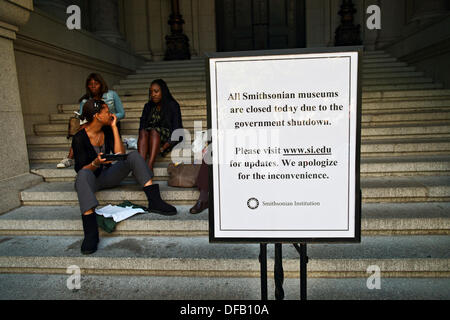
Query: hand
point(113, 121)
point(99, 160)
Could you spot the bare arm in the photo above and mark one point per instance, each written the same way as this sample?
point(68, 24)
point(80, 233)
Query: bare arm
point(118, 145)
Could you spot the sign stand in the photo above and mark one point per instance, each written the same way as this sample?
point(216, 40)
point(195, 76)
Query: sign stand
point(303, 262)
point(263, 263)
point(254, 128)
point(279, 293)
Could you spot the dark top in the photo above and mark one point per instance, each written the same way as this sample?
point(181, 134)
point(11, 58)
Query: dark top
point(84, 152)
point(172, 123)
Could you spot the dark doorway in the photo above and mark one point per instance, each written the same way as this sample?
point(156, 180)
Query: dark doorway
point(260, 24)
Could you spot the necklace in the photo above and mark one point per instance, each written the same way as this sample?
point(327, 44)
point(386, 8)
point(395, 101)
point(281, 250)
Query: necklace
point(96, 138)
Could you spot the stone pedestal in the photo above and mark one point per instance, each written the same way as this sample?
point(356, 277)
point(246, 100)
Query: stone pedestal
point(177, 43)
point(347, 34)
point(14, 169)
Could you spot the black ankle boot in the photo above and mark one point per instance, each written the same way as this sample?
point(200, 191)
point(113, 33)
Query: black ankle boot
point(156, 204)
point(91, 238)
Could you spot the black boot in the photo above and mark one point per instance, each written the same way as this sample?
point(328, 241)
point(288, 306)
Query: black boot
point(91, 238)
point(156, 204)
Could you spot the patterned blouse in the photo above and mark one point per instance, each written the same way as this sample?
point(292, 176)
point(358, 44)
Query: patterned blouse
point(154, 123)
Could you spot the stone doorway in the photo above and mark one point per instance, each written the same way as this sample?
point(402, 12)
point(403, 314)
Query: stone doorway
point(260, 24)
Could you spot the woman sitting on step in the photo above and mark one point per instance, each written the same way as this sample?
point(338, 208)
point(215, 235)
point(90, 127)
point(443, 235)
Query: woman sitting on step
point(96, 88)
point(101, 136)
point(160, 118)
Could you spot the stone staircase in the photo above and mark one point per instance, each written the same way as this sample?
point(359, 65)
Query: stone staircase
point(405, 179)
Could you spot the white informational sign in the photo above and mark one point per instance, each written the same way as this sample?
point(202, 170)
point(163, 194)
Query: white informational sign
point(285, 147)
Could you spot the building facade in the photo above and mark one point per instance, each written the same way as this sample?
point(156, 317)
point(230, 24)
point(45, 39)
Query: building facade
point(44, 63)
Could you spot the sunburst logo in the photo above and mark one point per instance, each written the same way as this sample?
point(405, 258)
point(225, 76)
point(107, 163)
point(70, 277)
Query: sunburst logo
point(253, 203)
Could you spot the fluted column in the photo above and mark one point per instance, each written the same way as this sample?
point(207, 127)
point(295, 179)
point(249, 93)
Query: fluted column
point(104, 18)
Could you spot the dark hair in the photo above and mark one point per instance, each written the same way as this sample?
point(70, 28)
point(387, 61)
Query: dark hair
point(103, 86)
point(91, 108)
point(166, 98)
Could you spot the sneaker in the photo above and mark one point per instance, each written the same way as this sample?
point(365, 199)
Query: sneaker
point(65, 163)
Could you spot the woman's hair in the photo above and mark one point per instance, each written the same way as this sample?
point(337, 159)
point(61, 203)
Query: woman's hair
point(166, 98)
point(165, 92)
point(98, 78)
point(91, 108)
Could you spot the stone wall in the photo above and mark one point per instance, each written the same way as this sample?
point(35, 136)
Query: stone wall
point(53, 63)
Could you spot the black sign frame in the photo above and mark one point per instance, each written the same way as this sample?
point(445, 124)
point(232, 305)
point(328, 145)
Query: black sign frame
point(358, 195)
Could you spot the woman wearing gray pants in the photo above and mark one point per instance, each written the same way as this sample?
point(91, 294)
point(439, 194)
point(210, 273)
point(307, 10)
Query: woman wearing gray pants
point(101, 136)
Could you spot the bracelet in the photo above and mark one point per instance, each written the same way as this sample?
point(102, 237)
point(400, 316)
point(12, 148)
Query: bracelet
point(95, 164)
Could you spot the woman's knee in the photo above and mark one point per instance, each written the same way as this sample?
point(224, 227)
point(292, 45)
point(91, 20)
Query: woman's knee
point(84, 176)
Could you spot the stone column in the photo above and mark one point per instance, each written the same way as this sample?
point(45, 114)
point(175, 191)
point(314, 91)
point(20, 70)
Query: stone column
point(104, 16)
point(14, 170)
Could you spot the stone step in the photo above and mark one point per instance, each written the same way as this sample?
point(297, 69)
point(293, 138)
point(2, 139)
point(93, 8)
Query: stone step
point(187, 114)
point(398, 74)
point(96, 287)
point(168, 79)
point(387, 70)
point(405, 147)
point(376, 79)
point(170, 83)
point(376, 130)
point(56, 141)
point(53, 154)
point(374, 189)
point(52, 174)
point(367, 64)
point(376, 219)
point(437, 103)
point(404, 166)
point(175, 63)
point(403, 95)
point(129, 93)
point(186, 106)
point(173, 90)
point(63, 193)
point(397, 80)
point(408, 256)
point(400, 87)
point(378, 59)
point(185, 100)
point(405, 113)
point(147, 78)
point(127, 128)
point(185, 67)
point(370, 167)
point(370, 117)
point(406, 117)
point(366, 88)
point(411, 106)
point(430, 105)
point(170, 73)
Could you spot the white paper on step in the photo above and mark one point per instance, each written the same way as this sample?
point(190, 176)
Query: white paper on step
point(118, 213)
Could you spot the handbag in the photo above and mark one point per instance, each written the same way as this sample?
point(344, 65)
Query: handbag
point(183, 175)
point(74, 126)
